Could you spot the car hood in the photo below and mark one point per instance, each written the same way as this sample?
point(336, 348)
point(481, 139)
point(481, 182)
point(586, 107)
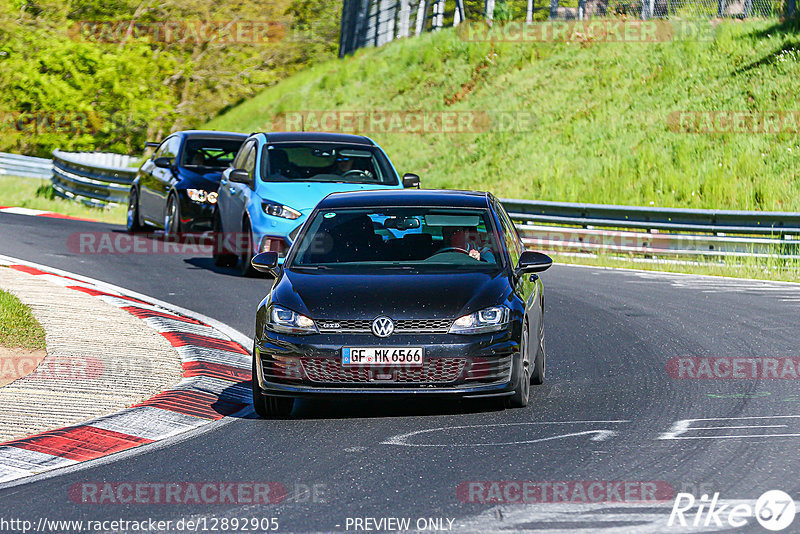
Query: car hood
point(306, 195)
point(322, 295)
point(208, 181)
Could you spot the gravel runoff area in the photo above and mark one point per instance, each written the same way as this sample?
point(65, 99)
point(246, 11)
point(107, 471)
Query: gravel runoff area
point(100, 359)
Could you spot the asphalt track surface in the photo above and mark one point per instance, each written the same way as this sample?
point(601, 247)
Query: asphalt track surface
point(606, 402)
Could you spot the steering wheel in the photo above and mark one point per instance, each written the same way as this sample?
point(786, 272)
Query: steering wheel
point(453, 249)
point(358, 172)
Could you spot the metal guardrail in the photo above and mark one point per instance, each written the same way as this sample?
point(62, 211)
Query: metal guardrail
point(639, 230)
point(93, 178)
point(25, 166)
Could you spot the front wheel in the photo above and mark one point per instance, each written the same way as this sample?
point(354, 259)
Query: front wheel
point(134, 223)
point(268, 407)
point(172, 217)
point(221, 254)
point(537, 376)
point(523, 392)
point(245, 267)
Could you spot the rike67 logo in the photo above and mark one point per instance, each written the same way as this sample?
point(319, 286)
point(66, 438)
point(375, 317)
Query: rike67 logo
point(774, 510)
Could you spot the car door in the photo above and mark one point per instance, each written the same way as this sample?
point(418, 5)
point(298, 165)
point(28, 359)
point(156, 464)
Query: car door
point(526, 286)
point(164, 179)
point(147, 182)
point(229, 201)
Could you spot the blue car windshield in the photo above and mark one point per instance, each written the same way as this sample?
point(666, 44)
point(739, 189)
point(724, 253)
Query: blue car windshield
point(408, 238)
point(326, 162)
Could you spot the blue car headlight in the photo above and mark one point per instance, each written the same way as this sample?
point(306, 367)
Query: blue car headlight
point(279, 210)
point(280, 319)
point(486, 320)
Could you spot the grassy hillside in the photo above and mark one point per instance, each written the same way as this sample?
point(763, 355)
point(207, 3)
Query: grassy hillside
point(602, 110)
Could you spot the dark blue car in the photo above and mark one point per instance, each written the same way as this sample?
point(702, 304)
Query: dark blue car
point(176, 188)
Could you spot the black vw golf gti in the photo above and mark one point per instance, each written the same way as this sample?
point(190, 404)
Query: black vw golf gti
point(403, 292)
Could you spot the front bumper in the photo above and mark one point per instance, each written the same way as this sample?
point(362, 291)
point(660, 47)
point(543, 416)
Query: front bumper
point(453, 366)
point(196, 216)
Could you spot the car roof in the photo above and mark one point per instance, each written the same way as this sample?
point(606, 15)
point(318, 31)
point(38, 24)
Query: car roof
point(317, 137)
point(212, 134)
point(407, 197)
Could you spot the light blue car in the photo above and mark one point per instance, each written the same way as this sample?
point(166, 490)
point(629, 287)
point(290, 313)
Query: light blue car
point(276, 180)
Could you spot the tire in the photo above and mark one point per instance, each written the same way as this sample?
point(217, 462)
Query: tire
point(245, 267)
point(172, 216)
point(222, 258)
point(134, 223)
point(522, 394)
point(539, 362)
point(268, 407)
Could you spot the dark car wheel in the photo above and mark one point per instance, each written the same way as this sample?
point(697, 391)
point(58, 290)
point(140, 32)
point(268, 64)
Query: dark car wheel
point(521, 395)
point(537, 376)
point(172, 217)
point(245, 267)
point(134, 223)
point(268, 407)
point(221, 254)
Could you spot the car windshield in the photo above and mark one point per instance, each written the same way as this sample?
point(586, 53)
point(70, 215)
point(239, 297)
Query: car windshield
point(324, 162)
point(407, 238)
point(209, 153)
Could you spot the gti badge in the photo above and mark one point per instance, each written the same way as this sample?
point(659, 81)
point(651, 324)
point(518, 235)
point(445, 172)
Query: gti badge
point(382, 327)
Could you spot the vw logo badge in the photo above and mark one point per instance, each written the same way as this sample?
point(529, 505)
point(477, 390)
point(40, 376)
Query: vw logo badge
point(382, 327)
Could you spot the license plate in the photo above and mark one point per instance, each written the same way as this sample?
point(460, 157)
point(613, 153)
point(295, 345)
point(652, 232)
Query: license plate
point(382, 356)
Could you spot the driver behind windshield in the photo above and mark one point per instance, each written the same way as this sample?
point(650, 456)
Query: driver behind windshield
point(470, 240)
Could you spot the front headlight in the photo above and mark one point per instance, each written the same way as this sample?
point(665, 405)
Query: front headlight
point(201, 195)
point(279, 210)
point(284, 320)
point(486, 320)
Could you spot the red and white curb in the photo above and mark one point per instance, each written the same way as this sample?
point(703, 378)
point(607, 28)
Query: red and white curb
point(216, 384)
point(40, 213)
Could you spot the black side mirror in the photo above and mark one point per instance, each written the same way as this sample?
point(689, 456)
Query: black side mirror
point(163, 163)
point(533, 262)
point(266, 262)
point(410, 180)
point(239, 176)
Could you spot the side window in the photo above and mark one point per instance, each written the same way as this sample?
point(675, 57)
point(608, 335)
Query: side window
point(161, 151)
point(170, 148)
point(250, 162)
point(238, 161)
point(510, 235)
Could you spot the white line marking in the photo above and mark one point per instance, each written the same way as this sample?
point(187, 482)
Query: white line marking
point(598, 435)
point(685, 425)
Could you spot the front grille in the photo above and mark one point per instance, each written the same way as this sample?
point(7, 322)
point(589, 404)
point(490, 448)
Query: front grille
point(402, 326)
point(433, 370)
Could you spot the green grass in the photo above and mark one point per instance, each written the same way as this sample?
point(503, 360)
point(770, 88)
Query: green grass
point(601, 131)
point(18, 327)
point(38, 194)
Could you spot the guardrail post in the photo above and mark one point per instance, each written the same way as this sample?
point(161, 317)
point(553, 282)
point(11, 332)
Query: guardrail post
point(488, 9)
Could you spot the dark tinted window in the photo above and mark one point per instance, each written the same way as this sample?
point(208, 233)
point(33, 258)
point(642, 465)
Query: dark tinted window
point(510, 236)
point(420, 238)
point(325, 162)
point(209, 153)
